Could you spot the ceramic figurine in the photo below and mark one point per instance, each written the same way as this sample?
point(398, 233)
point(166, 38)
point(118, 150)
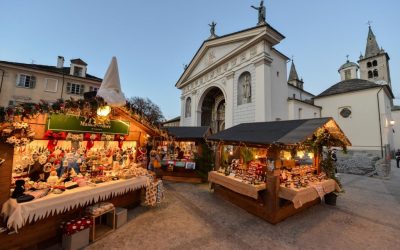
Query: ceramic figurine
point(53, 178)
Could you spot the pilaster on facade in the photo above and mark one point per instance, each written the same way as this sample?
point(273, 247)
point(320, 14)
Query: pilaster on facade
point(263, 93)
point(229, 103)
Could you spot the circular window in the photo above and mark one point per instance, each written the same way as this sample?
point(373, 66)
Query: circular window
point(345, 112)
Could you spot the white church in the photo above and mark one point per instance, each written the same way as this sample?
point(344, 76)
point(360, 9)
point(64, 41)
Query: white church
point(241, 77)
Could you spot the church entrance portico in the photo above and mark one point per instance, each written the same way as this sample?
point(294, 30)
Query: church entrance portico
point(212, 109)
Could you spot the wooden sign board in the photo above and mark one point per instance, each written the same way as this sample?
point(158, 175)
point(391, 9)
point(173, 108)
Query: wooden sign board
point(79, 124)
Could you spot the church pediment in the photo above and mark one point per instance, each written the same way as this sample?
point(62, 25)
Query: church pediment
point(215, 51)
point(213, 54)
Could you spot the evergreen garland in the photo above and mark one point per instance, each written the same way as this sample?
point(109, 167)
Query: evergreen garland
point(320, 139)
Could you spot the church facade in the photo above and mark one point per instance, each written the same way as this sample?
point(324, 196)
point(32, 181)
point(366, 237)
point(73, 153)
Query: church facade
point(242, 78)
point(239, 78)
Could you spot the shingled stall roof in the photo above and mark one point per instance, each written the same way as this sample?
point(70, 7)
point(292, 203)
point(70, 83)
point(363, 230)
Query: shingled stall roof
point(188, 133)
point(277, 132)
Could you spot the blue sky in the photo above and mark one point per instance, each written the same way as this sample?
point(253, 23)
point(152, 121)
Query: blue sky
point(153, 39)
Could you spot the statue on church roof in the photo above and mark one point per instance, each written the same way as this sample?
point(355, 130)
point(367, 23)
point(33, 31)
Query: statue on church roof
point(261, 13)
point(212, 30)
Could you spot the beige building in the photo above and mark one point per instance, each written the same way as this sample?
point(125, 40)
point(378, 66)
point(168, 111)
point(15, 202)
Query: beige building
point(21, 82)
point(173, 122)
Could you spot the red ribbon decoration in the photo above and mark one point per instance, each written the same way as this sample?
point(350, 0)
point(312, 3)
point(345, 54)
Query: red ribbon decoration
point(91, 138)
point(53, 138)
point(120, 139)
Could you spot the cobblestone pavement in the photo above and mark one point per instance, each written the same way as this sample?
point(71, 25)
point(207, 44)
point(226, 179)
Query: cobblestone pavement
point(367, 216)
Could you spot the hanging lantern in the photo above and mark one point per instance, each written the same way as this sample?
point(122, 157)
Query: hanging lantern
point(104, 111)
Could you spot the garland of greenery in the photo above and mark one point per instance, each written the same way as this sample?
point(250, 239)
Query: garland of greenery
point(80, 107)
point(320, 139)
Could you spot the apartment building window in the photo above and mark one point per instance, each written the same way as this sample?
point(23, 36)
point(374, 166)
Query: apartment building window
point(93, 89)
point(76, 89)
point(26, 81)
point(78, 71)
point(50, 85)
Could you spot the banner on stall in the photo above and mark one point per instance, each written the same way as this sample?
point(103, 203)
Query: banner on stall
point(79, 124)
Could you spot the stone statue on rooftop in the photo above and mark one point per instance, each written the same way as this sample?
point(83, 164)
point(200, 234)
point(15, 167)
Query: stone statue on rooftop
point(212, 30)
point(261, 13)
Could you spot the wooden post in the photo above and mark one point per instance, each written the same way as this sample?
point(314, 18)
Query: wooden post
point(218, 157)
point(6, 153)
point(273, 182)
point(317, 160)
point(272, 193)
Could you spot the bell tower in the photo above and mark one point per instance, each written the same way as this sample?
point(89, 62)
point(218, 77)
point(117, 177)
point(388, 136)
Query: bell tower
point(294, 78)
point(374, 65)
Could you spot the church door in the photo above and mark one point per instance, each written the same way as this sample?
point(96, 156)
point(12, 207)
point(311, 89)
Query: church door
point(211, 114)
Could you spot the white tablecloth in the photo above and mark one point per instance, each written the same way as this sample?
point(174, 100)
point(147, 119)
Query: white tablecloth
point(235, 184)
point(303, 195)
point(18, 214)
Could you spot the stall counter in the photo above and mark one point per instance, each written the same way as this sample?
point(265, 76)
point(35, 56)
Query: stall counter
point(19, 214)
point(304, 195)
point(235, 184)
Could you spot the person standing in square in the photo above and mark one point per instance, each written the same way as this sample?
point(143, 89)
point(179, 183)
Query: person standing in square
point(397, 158)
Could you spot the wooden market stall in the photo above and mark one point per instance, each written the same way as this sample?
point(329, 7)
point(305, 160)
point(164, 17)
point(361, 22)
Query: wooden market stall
point(69, 145)
point(180, 147)
point(276, 169)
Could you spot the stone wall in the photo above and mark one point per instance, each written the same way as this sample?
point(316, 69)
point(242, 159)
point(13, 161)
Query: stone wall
point(363, 163)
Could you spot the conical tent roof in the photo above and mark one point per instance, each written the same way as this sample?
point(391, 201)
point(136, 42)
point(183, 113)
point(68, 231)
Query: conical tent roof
point(110, 89)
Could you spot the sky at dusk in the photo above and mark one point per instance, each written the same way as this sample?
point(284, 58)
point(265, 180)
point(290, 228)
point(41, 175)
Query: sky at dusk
point(152, 40)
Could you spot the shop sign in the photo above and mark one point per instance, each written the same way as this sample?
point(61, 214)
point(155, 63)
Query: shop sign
point(79, 124)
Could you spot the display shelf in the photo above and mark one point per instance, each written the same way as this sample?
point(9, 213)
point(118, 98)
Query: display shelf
point(99, 229)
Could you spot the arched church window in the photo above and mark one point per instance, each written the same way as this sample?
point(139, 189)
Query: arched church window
point(370, 74)
point(376, 73)
point(244, 88)
point(369, 64)
point(188, 107)
point(374, 63)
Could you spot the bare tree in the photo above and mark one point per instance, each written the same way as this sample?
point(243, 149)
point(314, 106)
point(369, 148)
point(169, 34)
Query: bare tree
point(147, 109)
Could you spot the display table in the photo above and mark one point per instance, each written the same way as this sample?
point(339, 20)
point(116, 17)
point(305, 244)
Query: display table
point(235, 184)
point(303, 195)
point(19, 214)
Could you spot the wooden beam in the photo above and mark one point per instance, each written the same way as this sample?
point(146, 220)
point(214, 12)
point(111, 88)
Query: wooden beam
point(6, 153)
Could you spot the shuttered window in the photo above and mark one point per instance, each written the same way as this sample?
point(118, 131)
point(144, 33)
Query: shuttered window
point(50, 85)
point(75, 89)
point(26, 81)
